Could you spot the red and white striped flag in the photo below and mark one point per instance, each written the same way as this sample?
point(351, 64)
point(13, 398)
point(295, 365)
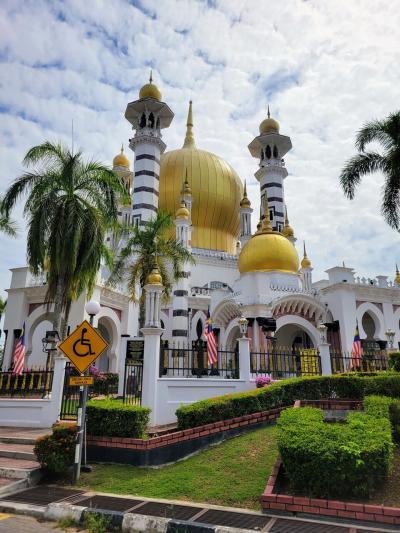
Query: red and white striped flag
point(356, 349)
point(212, 351)
point(19, 353)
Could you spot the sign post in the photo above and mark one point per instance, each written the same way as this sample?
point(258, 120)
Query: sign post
point(82, 348)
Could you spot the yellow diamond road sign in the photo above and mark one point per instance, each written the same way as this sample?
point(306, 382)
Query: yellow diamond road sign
point(83, 346)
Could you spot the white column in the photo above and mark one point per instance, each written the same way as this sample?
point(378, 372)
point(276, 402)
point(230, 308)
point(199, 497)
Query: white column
point(57, 389)
point(151, 368)
point(244, 358)
point(325, 355)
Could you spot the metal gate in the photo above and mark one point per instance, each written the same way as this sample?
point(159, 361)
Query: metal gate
point(70, 397)
point(133, 375)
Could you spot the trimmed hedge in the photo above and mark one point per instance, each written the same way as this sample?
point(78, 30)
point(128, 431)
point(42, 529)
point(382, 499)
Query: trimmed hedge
point(336, 459)
point(56, 452)
point(394, 361)
point(284, 393)
point(113, 418)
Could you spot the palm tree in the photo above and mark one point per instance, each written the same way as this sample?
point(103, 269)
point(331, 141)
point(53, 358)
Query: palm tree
point(70, 205)
point(7, 226)
point(146, 248)
point(387, 133)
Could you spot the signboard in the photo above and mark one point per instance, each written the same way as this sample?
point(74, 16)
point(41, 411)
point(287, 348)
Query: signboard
point(83, 346)
point(81, 380)
point(309, 360)
point(135, 349)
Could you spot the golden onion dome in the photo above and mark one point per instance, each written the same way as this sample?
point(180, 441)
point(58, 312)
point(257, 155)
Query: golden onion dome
point(287, 231)
point(149, 90)
point(120, 160)
point(216, 191)
point(183, 211)
point(269, 125)
point(305, 262)
point(268, 250)
point(154, 278)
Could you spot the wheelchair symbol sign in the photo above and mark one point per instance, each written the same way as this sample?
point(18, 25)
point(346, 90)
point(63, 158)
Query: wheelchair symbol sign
point(83, 346)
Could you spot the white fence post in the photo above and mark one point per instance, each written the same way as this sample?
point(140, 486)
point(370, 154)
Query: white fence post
point(244, 359)
point(151, 369)
point(325, 355)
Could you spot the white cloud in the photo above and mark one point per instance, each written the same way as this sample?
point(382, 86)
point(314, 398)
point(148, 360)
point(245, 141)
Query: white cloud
point(324, 67)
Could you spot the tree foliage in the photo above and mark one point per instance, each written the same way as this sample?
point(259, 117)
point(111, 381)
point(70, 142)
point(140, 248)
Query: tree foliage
point(387, 134)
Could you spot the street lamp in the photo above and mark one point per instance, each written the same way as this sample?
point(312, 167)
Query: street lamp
point(49, 343)
point(243, 326)
point(390, 337)
point(92, 308)
point(322, 332)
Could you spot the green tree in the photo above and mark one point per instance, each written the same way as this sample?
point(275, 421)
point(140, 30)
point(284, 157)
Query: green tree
point(7, 226)
point(3, 304)
point(144, 249)
point(386, 133)
point(70, 206)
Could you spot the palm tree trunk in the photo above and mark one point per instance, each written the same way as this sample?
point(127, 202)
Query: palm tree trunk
point(58, 311)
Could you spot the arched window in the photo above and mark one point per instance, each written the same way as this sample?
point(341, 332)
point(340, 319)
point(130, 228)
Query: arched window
point(151, 120)
point(275, 152)
point(368, 325)
point(199, 328)
point(158, 123)
point(142, 123)
point(268, 152)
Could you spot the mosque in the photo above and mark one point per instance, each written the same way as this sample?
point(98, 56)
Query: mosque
point(238, 271)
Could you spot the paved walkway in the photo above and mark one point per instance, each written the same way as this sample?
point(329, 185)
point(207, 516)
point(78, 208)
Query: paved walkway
point(27, 524)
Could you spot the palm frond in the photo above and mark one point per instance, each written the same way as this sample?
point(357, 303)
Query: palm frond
point(358, 166)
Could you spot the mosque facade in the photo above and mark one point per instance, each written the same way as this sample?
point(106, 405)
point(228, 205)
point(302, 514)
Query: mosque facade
point(238, 270)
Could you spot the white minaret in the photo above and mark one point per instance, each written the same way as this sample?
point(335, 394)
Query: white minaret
point(306, 271)
point(148, 116)
point(245, 218)
point(270, 147)
point(180, 301)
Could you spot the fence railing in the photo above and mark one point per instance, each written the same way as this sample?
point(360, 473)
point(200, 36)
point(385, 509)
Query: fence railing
point(193, 362)
point(34, 383)
point(285, 363)
point(367, 362)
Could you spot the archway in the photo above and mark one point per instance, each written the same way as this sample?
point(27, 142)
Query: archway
point(293, 336)
point(103, 363)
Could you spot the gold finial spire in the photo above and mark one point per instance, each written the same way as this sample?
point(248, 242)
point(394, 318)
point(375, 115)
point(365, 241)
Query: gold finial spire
point(397, 278)
point(268, 113)
point(189, 138)
point(245, 202)
point(151, 76)
point(287, 229)
point(305, 263)
point(122, 148)
point(266, 223)
point(186, 190)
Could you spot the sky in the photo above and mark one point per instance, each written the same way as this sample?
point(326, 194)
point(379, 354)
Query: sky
point(324, 68)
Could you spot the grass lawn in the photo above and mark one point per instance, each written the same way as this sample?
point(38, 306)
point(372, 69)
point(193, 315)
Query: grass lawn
point(232, 473)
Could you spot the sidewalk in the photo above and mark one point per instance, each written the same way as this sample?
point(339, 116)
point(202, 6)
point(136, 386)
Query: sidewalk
point(133, 513)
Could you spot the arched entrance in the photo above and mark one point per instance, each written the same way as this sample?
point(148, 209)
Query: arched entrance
point(293, 336)
point(103, 362)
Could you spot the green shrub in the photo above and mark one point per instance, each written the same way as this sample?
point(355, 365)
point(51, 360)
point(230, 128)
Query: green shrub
point(113, 418)
point(104, 383)
point(55, 452)
point(336, 459)
point(284, 393)
point(394, 361)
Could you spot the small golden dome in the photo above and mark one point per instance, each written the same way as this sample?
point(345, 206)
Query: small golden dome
point(287, 231)
point(305, 262)
point(149, 90)
point(269, 125)
point(245, 202)
point(397, 278)
point(120, 160)
point(183, 211)
point(154, 278)
point(268, 250)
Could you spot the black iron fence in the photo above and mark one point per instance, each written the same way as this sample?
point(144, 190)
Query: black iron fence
point(282, 362)
point(133, 382)
point(367, 362)
point(34, 383)
point(70, 398)
point(193, 362)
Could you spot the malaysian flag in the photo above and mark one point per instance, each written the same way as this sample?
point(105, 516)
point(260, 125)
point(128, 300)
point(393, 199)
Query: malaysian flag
point(212, 352)
point(19, 353)
point(356, 350)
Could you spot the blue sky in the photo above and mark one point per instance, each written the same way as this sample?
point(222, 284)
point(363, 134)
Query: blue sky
point(325, 68)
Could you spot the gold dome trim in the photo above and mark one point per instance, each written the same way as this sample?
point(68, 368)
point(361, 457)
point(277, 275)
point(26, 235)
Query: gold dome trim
point(150, 90)
point(120, 160)
point(305, 262)
point(269, 125)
